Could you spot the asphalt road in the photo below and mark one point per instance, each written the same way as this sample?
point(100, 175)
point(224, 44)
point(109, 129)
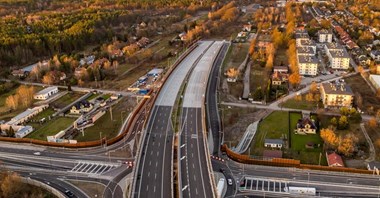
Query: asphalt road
point(195, 179)
point(154, 168)
point(213, 119)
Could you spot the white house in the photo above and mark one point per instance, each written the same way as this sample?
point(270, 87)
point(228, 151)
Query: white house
point(46, 93)
point(375, 80)
point(273, 143)
point(26, 115)
point(23, 131)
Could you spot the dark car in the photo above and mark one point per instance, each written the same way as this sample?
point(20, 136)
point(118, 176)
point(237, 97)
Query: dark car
point(69, 193)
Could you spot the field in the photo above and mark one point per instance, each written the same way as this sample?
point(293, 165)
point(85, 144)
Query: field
point(298, 142)
point(66, 100)
point(51, 128)
point(234, 57)
point(274, 126)
point(359, 85)
point(303, 104)
point(107, 127)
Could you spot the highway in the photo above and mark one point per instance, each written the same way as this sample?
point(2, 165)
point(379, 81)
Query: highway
point(154, 167)
point(213, 119)
point(194, 174)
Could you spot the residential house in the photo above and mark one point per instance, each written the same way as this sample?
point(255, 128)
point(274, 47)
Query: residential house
point(334, 160)
point(273, 143)
point(247, 27)
point(375, 80)
point(325, 36)
point(23, 131)
point(337, 55)
point(26, 115)
point(143, 42)
point(363, 59)
point(306, 126)
point(46, 93)
point(308, 65)
point(183, 36)
point(19, 73)
point(281, 69)
point(335, 94)
point(88, 60)
point(375, 54)
point(278, 78)
point(81, 107)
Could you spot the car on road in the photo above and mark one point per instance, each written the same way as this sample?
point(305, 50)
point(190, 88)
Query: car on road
point(229, 181)
point(69, 193)
point(37, 153)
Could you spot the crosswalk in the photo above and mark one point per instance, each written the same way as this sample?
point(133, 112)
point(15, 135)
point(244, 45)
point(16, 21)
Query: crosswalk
point(93, 167)
point(263, 184)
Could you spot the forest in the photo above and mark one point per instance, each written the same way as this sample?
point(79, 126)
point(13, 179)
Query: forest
point(33, 30)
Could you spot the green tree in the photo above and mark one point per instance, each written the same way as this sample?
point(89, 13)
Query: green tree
point(343, 123)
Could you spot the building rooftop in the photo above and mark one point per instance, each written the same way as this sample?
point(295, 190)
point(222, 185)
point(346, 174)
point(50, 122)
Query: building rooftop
point(305, 50)
point(339, 54)
point(307, 59)
point(334, 46)
point(337, 88)
point(24, 114)
point(334, 159)
point(325, 31)
point(308, 42)
point(46, 90)
point(274, 141)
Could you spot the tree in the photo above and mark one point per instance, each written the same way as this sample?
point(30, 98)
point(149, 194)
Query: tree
point(378, 93)
point(346, 146)
point(372, 122)
point(334, 121)
point(313, 87)
point(26, 94)
point(309, 97)
point(361, 69)
point(12, 101)
point(344, 111)
point(48, 79)
point(295, 79)
point(378, 114)
point(269, 63)
point(343, 123)
point(329, 137)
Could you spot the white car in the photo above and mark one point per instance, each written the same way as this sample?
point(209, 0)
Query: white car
point(37, 153)
point(229, 181)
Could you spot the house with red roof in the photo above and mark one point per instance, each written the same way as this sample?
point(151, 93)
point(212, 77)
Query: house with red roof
point(334, 160)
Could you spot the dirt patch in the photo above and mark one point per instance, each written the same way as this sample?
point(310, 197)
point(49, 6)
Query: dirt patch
point(236, 120)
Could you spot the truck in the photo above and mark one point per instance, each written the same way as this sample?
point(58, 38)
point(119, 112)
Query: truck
point(300, 190)
point(220, 187)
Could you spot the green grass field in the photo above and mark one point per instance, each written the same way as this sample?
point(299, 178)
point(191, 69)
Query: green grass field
point(51, 128)
point(298, 142)
point(303, 104)
point(109, 128)
point(273, 126)
point(66, 99)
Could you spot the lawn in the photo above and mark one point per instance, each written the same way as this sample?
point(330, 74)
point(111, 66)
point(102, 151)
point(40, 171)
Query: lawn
point(273, 126)
point(298, 142)
point(359, 85)
point(109, 128)
point(301, 104)
point(51, 128)
point(66, 99)
point(258, 78)
point(44, 114)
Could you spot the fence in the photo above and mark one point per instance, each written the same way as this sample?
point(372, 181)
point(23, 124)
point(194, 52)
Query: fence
point(282, 162)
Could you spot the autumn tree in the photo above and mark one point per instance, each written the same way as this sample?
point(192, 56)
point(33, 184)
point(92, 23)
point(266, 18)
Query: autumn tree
point(25, 93)
point(334, 121)
point(372, 122)
point(329, 137)
point(346, 146)
point(295, 79)
point(12, 101)
point(343, 122)
point(48, 79)
point(313, 87)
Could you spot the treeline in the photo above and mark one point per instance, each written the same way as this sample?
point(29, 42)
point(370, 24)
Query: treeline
point(11, 186)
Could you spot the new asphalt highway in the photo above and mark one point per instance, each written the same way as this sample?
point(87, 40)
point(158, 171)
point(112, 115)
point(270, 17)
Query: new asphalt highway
point(194, 173)
point(154, 167)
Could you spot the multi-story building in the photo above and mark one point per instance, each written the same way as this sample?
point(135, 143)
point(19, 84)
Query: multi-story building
point(300, 36)
point(308, 43)
point(338, 56)
point(325, 36)
point(305, 51)
point(336, 94)
point(308, 65)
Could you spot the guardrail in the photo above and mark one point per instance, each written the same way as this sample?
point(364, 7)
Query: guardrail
point(283, 162)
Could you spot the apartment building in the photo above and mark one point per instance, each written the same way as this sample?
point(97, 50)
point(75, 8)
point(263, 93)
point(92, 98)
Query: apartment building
point(336, 94)
point(308, 65)
point(337, 55)
point(306, 51)
point(325, 36)
point(301, 35)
